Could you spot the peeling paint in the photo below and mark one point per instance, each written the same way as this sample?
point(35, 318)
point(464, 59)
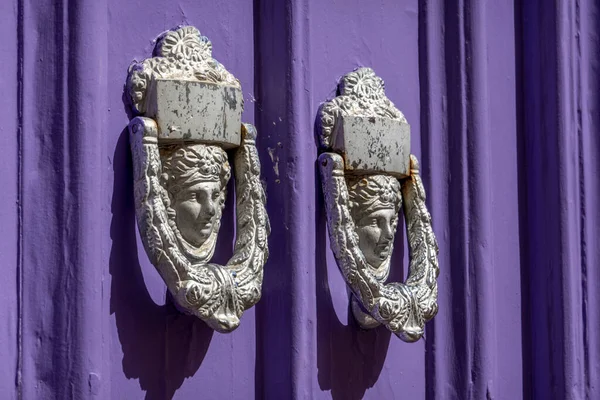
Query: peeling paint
point(196, 111)
point(374, 144)
point(275, 160)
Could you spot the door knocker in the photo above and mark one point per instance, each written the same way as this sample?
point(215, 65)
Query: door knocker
point(367, 175)
point(189, 111)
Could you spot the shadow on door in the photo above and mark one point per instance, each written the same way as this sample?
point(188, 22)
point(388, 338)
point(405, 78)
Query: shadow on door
point(349, 359)
point(161, 346)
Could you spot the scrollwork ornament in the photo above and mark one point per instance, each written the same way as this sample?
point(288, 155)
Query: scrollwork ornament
point(180, 189)
point(362, 219)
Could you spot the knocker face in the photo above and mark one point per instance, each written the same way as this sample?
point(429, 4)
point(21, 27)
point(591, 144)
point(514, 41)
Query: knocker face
point(374, 204)
point(376, 235)
point(195, 210)
point(195, 178)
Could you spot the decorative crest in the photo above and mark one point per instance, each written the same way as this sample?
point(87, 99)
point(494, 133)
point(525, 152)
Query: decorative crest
point(362, 94)
point(183, 54)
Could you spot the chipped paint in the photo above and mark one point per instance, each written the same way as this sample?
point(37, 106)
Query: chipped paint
point(373, 144)
point(275, 160)
point(196, 111)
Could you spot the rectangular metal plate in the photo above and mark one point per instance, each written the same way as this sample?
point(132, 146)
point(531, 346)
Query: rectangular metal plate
point(193, 111)
point(373, 144)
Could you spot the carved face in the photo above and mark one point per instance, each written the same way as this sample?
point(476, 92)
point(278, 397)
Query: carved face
point(376, 235)
point(196, 208)
point(195, 177)
point(374, 204)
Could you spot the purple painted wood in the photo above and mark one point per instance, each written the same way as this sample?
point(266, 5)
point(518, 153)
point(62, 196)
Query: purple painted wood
point(278, 322)
point(63, 130)
point(503, 105)
point(561, 154)
point(470, 154)
point(9, 200)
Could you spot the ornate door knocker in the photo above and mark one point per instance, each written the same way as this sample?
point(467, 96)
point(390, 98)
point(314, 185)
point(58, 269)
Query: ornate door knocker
point(367, 175)
point(190, 111)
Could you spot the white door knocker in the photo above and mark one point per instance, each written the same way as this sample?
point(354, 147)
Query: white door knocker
point(368, 175)
point(190, 109)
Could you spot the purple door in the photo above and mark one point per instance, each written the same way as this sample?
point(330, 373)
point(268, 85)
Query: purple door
point(503, 105)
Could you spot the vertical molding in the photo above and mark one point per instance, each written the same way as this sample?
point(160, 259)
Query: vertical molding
point(10, 107)
point(481, 299)
point(64, 107)
point(589, 160)
point(300, 165)
point(19, 269)
point(271, 37)
point(457, 152)
point(286, 144)
point(560, 125)
point(434, 133)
